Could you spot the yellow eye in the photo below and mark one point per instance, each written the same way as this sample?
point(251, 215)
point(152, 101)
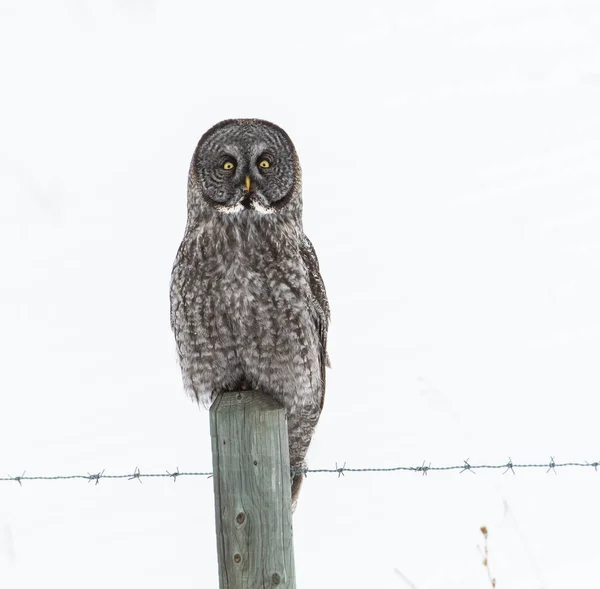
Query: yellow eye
point(264, 164)
point(228, 166)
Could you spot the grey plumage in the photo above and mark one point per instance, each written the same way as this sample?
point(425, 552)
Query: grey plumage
point(248, 304)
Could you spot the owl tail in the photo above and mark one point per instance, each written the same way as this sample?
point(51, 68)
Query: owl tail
point(300, 431)
point(296, 484)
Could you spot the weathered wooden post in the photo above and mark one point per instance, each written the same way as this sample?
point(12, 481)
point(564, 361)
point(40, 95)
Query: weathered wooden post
point(251, 470)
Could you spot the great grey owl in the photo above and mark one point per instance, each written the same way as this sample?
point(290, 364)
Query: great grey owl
point(248, 304)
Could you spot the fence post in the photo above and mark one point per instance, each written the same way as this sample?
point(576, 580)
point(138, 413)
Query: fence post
point(251, 470)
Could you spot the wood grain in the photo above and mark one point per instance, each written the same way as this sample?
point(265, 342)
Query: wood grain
point(252, 492)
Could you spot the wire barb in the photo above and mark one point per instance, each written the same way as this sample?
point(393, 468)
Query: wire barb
point(424, 469)
point(174, 474)
point(95, 477)
point(18, 479)
point(509, 466)
point(467, 467)
point(136, 475)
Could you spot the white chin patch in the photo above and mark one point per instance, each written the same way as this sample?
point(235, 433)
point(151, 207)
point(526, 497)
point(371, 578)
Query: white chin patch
point(230, 210)
point(261, 209)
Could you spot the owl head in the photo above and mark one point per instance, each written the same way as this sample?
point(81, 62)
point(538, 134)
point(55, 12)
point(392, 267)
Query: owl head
point(245, 167)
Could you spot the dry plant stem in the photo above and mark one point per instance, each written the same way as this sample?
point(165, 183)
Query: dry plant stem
point(486, 562)
point(405, 579)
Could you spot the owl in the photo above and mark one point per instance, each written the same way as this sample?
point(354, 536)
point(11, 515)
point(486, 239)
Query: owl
point(248, 304)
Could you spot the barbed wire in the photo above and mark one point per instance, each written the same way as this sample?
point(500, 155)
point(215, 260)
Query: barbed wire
point(424, 469)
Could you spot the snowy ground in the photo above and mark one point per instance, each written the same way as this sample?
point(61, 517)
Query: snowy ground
point(452, 190)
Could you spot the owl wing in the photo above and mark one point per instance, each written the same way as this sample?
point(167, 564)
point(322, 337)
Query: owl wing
point(319, 299)
point(185, 261)
point(176, 296)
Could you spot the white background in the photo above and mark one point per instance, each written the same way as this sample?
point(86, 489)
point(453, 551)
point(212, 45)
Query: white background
point(451, 183)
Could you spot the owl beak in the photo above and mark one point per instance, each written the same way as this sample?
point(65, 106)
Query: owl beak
point(247, 183)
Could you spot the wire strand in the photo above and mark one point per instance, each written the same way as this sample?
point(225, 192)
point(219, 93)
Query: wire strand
point(424, 469)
